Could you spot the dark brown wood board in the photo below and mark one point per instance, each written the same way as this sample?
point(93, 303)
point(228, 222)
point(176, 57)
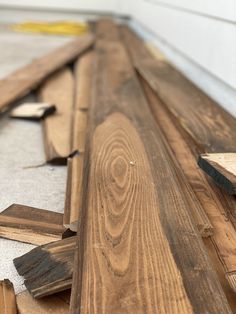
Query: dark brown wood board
point(139, 250)
point(211, 127)
point(59, 90)
point(224, 235)
point(221, 167)
point(7, 297)
point(48, 269)
point(20, 82)
point(31, 225)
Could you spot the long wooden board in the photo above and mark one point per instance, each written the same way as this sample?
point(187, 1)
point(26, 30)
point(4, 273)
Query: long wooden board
point(224, 235)
point(7, 298)
point(31, 225)
point(222, 168)
point(139, 250)
point(83, 82)
point(211, 127)
point(20, 82)
point(48, 269)
point(57, 128)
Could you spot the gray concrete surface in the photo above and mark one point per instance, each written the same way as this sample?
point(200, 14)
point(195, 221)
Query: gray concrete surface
point(21, 150)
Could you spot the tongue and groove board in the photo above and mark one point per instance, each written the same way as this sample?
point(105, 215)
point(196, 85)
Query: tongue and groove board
point(222, 168)
point(138, 249)
point(20, 82)
point(7, 298)
point(210, 126)
point(57, 128)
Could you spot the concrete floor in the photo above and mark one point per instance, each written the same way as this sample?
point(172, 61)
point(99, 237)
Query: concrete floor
point(21, 147)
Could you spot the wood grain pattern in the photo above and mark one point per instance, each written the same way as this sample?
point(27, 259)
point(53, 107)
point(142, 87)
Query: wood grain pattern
point(138, 249)
point(7, 298)
point(222, 168)
point(48, 269)
point(212, 128)
point(52, 304)
point(20, 82)
point(31, 225)
point(224, 235)
point(83, 83)
point(57, 128)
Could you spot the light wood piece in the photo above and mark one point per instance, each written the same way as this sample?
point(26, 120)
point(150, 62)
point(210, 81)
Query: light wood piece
point(7, 298)
point(33, 111)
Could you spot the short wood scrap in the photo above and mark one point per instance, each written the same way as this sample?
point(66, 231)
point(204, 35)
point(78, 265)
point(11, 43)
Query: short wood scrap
point(33, 111)
point(31, 225)
point(7, 297)
point(138, 249)
point(83, 82)
point(222, 168)
point(48, 269)
point(20, 82)
point(58, 303)
point(59, 90)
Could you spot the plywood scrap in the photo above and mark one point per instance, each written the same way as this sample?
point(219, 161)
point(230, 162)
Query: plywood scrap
point(222, 168)
point(31, 225)
point(224, 235)
point(20, 82)
point(211, 127)
point(51, 304)
point(7, 297)
point(48, 269)
point(33, 111)
point(128, 225)
point(59, 90)
point(83, 81)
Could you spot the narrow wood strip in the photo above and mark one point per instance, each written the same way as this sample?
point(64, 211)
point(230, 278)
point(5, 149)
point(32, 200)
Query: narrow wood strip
point(58, 90)
point(83, 79)
point(224, 235)
point(31, 225)
point(138, 249)
point(52, 304)
point(222, 168)
point(7, 298)
point(33, 111)
point(211, 127)
point(48, 269)
point(20, 82)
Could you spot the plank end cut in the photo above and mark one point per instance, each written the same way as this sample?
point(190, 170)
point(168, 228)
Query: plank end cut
point(221, 167)
point(7, 297)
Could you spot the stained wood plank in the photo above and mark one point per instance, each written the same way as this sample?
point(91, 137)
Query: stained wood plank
point(59, 90)
point(48, 269)
point(7, 298)
point(138, 249)
point(20, 82)
point(52, 304)
point(30, 225)
point(222, 169)
point(83, 82)
point(33, 111)
point(224, 235)
point(211, 127)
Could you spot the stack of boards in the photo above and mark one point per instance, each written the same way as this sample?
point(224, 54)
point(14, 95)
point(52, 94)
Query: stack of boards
point(145, 230)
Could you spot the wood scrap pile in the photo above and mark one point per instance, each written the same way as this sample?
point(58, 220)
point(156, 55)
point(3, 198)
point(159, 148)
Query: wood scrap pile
point(149, 232)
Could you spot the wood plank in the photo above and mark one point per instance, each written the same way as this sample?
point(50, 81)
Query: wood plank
point(221, 167)
point(138, 249)
point(20, 82)
point(31, 225)
point(224, 235)
point(52, 304)
point(48, 269)
point(58, 90)
point(33, 111)
point(7, 298)
point(83, 82)
point(211, 127)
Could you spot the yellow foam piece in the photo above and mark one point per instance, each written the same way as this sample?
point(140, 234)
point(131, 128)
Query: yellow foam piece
point(52, 28)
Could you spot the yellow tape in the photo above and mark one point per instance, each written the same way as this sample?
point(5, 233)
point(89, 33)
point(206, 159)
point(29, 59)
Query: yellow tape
point(54, 28)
